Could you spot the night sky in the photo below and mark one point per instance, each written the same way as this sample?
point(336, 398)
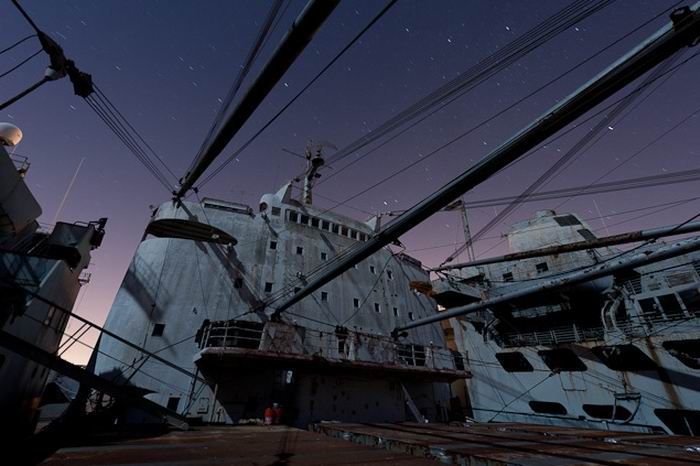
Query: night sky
point(167, 65)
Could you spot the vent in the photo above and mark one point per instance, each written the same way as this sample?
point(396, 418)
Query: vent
point(514, 362)
point(562, 359)
point(548, 407)
point(586, 234)
point(567, 220)
point(679, 278)
point(624, 358)
point(608, 412)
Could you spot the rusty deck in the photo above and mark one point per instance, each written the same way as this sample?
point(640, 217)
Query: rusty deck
point(520, 444)
point(240, 445)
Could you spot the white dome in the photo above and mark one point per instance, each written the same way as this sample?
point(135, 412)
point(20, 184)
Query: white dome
point(10, 135)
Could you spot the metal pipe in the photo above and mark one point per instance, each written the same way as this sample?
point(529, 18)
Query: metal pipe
point(631, 237)
point(292, 44)
point(682, 31)
point(573, 278)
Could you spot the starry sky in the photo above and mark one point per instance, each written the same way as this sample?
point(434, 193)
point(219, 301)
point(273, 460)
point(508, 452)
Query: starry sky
point(167, 65)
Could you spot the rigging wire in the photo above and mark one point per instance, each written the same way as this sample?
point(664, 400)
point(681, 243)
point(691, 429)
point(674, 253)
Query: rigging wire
point(560, 135)
point(17, 43)
point(470, 79)
point(262, 36)
point(21, 63)
point(578, 149)
point(357, 37)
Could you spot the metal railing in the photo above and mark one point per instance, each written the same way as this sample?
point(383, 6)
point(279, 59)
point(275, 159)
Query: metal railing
point(343, 345)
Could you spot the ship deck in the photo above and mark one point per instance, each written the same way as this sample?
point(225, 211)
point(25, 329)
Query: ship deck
point(400, 444)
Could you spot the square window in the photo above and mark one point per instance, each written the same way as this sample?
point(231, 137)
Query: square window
point(324, 256)
point(173, 402)
point(304, 219)
point(293, 216)
point(324, 296)
point(372, 270)
point(344, 231)
point(396, 312)
point(325, 225)
point(363, 237)
point(410, 316)
point(158, 330)
point(541, 267)
point(273, 244)
point(268, 287)
point(377, 308)
point(335, 228)
point(314, 222)
point(300, 250)
point(353, 234)
point(276, 211)
point(238, 283)
point(508, 277)
point(390, 274)
point(356, 303)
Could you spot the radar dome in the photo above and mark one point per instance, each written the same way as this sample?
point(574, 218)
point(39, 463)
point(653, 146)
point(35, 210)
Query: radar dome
point(10, 135)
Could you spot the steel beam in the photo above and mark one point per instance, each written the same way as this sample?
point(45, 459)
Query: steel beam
point(631, 237)
point(682, 31)
point(292, 44)
point(565, 281)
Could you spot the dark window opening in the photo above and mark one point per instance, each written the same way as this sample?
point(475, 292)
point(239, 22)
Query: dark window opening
point(377, 308)
point(353, 234)
point(514, 362)
point(396, 312)
point(355, 303)
point(410, 316)
point(324, 296)
point(372, 270)
point(297, 289)
point(238, 283)
point(686, 351)
point(268, 287)
point(325, 225)
point(300, 250)
point(508, 277)
point(2, 359)
point(389, 274)
point(335, 228)
point(691, 299)
point(314, 222)
point(586, 234)
point(670, 305)
point(680, 421)
point(458, 360)
point(541, 267)
point(344, 231)
point(173, 401)
point(158, 330)
point(548, 407)
point(562, 359)
point(304, 219)
point(624, 358)
point(567, 220)
point(293, 216)
point(363, 237)
point(607, 411)
point(324, 256)
point(273, 244)
point(649, 307)
point(276, 211)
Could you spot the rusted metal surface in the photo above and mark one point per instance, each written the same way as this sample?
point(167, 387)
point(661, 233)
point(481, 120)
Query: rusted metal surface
point(242, 445)
point(519, 444)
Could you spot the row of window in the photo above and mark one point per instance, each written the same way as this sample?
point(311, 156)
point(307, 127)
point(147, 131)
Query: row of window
point(670, 305)
point(541, 267)
point(617, 358)
point(325, 225)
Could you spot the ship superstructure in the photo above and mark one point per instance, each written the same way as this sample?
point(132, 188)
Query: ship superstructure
point(200, 291)
point(620, 351)
point(41, 270)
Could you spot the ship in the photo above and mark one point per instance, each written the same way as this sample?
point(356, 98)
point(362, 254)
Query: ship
point(199, 291)
point(42, 269)
point(621, 352)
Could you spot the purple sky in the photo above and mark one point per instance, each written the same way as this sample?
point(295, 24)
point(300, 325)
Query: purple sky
point(166, 64)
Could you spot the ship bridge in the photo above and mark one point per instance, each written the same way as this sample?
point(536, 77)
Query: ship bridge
point(283, 346)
